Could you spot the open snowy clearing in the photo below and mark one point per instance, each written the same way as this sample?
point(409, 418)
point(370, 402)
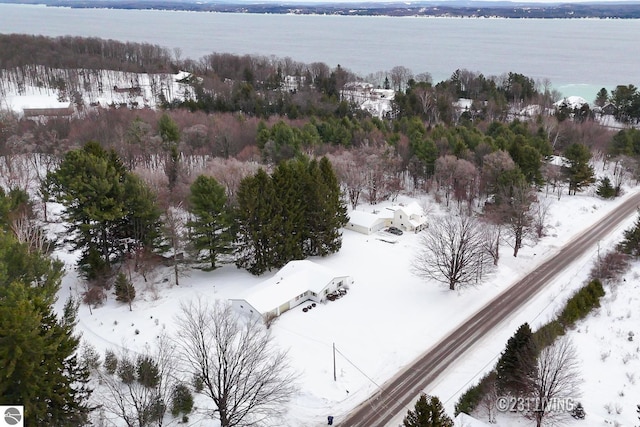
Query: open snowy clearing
point(387, 319)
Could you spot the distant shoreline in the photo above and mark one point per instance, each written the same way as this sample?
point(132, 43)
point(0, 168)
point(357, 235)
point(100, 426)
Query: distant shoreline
point(391, 9)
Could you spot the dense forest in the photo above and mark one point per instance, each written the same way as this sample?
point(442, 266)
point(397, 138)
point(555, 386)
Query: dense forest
point(257, 169)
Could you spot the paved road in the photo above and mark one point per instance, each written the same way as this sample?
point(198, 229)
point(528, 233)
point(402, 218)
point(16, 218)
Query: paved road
point(400, 392)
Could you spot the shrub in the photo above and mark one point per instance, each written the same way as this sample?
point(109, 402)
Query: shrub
point(611, 266)
point(548, 333)
point(582, 302)
point(126, 371)
point(110, 362)
point(181, 400)
point(471, 398)
point(605, 189)
point(147, 371)
point(94, 296)
point(125, 292)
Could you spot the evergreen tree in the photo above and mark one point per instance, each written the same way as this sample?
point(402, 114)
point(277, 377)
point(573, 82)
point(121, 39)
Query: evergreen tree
point(181, 400)
point(108, 210)
point(125, 292)
point(147, 371)
point(602, 97)
point(291, 183)
point(257, 222)
point(428, 412)
point(331, 209)
point(630, 244)
point(211, 231)
point(140, 226)
point(605, 189)
point(517, 364)
point(168, 130)
point(38, 363)
point(578, 170)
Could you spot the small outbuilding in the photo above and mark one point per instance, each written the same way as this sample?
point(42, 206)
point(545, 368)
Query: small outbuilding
point(294, 284)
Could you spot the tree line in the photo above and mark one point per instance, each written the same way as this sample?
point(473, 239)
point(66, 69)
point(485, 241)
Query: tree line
point(113, 216)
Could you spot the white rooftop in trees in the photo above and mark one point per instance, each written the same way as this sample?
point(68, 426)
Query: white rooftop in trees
point(293, 284)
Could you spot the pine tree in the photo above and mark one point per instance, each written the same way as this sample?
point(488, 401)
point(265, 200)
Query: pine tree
point(38, 352)
point(578, 170)
point(605, 189)
point(517, 364)
point(428, 412)
point(125, 292)
point(630, 244)
point(109, 211)
point(211, 231)
point(333, 209)
point(147, 372)
point(168, 130)
point(181, 400)
point(290, 182)
point(258, 223)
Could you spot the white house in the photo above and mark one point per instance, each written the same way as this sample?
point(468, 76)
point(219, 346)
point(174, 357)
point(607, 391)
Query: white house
point(293, 284)
point(367, 222)
point(409, 217)
point(464, 420)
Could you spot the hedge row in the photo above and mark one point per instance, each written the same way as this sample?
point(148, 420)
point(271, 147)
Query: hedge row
point(577, 307)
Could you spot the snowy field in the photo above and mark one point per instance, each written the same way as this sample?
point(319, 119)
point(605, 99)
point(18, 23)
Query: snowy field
point(390, 316)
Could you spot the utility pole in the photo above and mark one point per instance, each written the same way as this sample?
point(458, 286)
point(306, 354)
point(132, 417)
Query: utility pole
point(334, 362)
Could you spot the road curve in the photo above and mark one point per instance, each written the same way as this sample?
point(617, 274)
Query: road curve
point(400, 391)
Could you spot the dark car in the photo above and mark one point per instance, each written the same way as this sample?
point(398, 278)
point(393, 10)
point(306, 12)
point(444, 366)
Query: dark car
point(394, 230)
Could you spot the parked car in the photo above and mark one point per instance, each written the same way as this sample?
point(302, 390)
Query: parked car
point(394, 230)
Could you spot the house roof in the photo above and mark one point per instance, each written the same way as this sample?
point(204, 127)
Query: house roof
point(412, 208)
point(295, 278)
point(464, 420)
point(364, 219)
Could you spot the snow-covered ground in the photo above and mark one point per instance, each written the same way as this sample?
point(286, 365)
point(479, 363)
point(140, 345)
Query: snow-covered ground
point(390, 316)
point(96, 87)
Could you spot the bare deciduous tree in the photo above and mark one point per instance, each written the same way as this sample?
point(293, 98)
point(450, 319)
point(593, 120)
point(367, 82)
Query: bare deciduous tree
point(350, 167)
point(541, 213)
point(557, 381)
point(248, 380)
point(399, 77)
point(452, 251)
point(175, 232)
point(492, 236)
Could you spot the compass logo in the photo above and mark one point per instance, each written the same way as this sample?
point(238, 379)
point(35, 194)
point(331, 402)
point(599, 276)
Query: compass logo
point(12, 416)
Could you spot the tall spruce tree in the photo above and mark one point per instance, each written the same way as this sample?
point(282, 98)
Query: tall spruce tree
point(38, 362)
point(428, 412)
point(257, 222)
point(333, 211)
point(517, 365)
point(291, 183)
point(211, 227)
